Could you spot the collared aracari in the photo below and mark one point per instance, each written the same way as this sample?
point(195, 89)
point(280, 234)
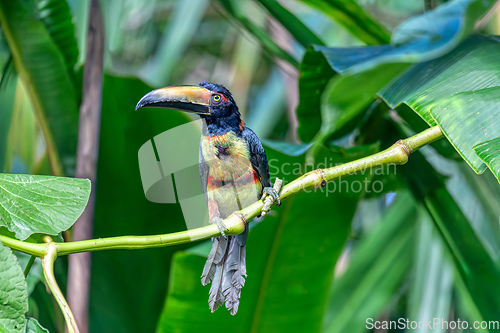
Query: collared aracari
point(234, 174)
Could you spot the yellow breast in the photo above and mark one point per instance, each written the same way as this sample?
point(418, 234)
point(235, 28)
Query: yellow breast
point(227, 156)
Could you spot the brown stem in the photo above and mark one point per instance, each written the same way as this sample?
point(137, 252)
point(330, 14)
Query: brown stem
point(88, 147)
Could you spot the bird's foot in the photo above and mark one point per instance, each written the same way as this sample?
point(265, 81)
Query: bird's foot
point(271, 196)
point(269, 191)
point(220, 224)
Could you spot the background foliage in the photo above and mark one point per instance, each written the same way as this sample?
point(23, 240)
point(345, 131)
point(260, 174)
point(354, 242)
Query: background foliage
point(317, 80)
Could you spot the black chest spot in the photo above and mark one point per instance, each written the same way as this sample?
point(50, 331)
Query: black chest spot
point(221, 150)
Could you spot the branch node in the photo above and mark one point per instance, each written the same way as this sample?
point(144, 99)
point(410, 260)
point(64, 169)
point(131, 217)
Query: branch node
point(408, 150)
point(241, 216)
point(236, 223)
point(322, 176)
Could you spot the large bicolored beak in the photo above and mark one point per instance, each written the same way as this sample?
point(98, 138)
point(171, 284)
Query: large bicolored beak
point(185, 98)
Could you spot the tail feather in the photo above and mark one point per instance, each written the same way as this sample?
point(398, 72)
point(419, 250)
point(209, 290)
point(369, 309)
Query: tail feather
point(216, 297)
point(215, 257)
point(235, 272)
point(226, 272)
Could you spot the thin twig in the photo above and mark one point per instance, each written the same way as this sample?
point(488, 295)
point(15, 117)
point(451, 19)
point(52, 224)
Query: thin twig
point(48, 271)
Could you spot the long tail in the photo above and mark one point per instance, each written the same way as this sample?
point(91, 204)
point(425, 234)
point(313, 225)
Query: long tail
point(226, 268)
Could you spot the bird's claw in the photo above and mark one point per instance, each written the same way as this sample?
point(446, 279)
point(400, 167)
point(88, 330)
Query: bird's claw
point(220, 224)
point(269, 191)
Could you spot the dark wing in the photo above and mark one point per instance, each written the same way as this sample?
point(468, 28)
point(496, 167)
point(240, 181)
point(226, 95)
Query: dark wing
point(203, 165)
point(257, 156)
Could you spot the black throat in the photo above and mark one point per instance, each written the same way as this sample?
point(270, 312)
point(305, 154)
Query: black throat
point(221, 125)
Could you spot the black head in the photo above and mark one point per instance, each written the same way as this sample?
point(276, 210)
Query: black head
point(222, 104)
point(213, 102)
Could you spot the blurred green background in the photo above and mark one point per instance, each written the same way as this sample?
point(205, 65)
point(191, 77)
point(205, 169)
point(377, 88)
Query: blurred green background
point(425, 246)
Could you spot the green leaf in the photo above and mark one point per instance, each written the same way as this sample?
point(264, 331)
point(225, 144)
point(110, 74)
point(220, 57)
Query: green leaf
point(438, 31)
point(13, 293)
point(33, 326)
point(8, 86)
point(315, 73)
point(23, 135)
point(415, 40)
point(475, 270)
point(344, 97)
point(121, 187)
point(287, 148)
point(295, 26)
point(42, 68)
point(352, 16)
point(290, 265)
point(36, 272)
point(57, 18)
point(41, 204)
point(347, 96)
point(458, 92)
point(377, 268)
point(235, 10)
point(431, 288)
point(416, 124)
point(489, 153)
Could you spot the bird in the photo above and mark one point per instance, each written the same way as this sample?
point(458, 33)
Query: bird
point(234, 173)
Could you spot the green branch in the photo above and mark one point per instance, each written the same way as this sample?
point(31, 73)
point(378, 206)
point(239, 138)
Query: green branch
point(48, 271)
point(398, 154)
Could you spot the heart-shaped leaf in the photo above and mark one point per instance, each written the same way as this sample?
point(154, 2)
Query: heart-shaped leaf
point(13, 293)
point(41, 204)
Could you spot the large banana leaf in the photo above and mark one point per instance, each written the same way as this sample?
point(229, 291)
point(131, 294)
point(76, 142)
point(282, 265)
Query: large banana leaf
point(8, 85)
point(56, 17)
point(122, 209)
point(458, 92)
point(376, 270)
point(290, 263)
point(476, 271)
point(43, 70)
point(413, 41)
point(489, 153)
point(431, 288)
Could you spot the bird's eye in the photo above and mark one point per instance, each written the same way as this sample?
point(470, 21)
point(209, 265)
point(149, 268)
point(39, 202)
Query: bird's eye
point(216, 98)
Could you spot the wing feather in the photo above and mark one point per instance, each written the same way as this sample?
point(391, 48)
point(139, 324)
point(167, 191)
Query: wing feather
point(257, 156)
